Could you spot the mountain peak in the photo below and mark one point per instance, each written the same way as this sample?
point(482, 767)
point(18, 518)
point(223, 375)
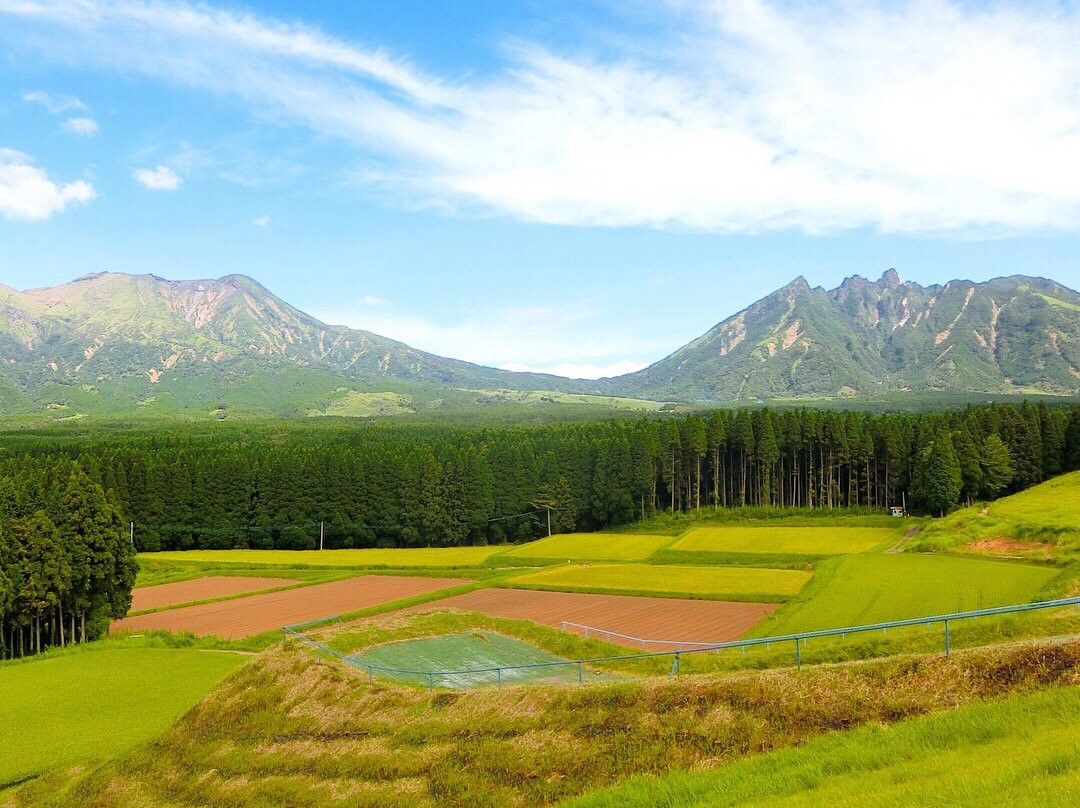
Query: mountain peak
point(890, 278)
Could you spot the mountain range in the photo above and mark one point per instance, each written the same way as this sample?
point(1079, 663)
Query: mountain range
point(116, 343)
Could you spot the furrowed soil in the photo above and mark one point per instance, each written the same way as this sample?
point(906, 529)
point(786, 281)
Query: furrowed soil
point(212, 586)
point(672, 619)
point(286, 731)
point(243, 617)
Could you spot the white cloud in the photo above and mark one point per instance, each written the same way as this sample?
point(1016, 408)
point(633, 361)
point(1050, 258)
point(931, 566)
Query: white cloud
point(26, 192)
point(575, 371)
point(371, 300)
point(53, 102)
point(536, 337)
point(160, 178)
point(81, 126)
point(740, 116)
point(261, 221)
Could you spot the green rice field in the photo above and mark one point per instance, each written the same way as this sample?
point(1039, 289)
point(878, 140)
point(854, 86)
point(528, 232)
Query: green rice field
point(398, 558)
point(591, 547)
point(101, 700)
point(473, 650)
point(861, 589)
point(788, 540)
point(722, 583)
point(1053, 503)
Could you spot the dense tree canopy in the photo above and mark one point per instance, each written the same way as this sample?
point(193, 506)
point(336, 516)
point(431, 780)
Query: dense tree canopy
point(66, 561)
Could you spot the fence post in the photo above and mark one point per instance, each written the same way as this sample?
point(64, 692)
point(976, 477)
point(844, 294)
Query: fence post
point(798, 653)
point(675, 666)
point(580, 673)
point(948, 639)
point(431, 682)
point(498, 675)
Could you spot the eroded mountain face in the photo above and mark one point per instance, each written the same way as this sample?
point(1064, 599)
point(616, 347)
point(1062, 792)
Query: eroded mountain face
point(1015, 334)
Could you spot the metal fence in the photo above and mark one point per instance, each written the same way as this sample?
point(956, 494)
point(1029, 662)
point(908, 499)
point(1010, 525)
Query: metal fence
point(575, 670)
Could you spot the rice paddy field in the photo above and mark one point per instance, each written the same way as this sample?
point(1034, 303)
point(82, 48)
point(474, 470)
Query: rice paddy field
point(590, 547)
point(814, 541)
point(403, 558)
point(102, 700)
point(872, 588)
point(724, 583)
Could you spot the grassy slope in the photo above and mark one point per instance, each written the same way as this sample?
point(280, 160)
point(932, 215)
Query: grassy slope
point(862, 589)
point(1042, 522)
point(101, 700)
point(733, 583)
point(1021, 752)
point(286, 731)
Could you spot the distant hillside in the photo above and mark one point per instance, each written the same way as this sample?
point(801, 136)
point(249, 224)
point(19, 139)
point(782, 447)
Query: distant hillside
point(108, 342)
point(1008, 335)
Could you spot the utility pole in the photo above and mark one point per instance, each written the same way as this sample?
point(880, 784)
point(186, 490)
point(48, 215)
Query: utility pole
point(321, 533)
point(132, 534)
point(547, 507)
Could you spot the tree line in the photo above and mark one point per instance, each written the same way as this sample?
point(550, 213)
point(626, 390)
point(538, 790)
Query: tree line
point(379, 485)
point(67, 565)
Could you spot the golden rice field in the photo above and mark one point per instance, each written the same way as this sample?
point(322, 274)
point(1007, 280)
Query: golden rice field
point(592, 547)
point(786, 540)
point(405, 557)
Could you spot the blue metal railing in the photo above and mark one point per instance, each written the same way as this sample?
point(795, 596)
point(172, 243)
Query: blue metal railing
point(798, 639)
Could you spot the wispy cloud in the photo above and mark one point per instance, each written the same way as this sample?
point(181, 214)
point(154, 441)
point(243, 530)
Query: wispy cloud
point(371, 300)
point(53, 102)
point(81, 126)
point(518, 337)
point(261, 221)
point(159, 178)
point(575, 371)
point(27, 192)
point(910, 117)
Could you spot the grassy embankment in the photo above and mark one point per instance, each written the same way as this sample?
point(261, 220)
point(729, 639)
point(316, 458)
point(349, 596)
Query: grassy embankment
point(285, 731)
point(1021, 751)
point(89, 703)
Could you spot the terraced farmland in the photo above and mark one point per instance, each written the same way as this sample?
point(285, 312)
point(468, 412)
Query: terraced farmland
point(403, 558)
point(591, 547)
point(814, 541)
point(211, 586)
point(731, 583)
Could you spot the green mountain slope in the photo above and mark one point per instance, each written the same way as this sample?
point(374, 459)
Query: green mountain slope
point(1007, 335)
point(109, 342)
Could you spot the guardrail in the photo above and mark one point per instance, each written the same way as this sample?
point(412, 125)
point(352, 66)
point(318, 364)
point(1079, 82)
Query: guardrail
point(506, 671)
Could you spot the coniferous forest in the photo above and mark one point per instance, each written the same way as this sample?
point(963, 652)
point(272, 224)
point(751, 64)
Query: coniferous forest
point(68, 499)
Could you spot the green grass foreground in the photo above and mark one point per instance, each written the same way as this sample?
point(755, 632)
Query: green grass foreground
point(720, 583)
point(1023, 751)
point(285, 731)
point(872, 588)
point(96, 701)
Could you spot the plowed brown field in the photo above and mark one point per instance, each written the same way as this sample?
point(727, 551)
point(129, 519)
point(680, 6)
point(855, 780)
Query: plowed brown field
point(212, 586)
point(701, 621)
point(243, 617)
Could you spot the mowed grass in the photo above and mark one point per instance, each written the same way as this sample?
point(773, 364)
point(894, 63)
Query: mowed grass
point(434, 557)
point(785, 540)
point(477, 651)
point(860, 589)
point(1055, 503)
point(96, 702)
point(722, 583)
point(591, 547)
point(1021, 751)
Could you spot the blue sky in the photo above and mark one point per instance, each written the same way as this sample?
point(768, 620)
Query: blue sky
point(580, 186)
